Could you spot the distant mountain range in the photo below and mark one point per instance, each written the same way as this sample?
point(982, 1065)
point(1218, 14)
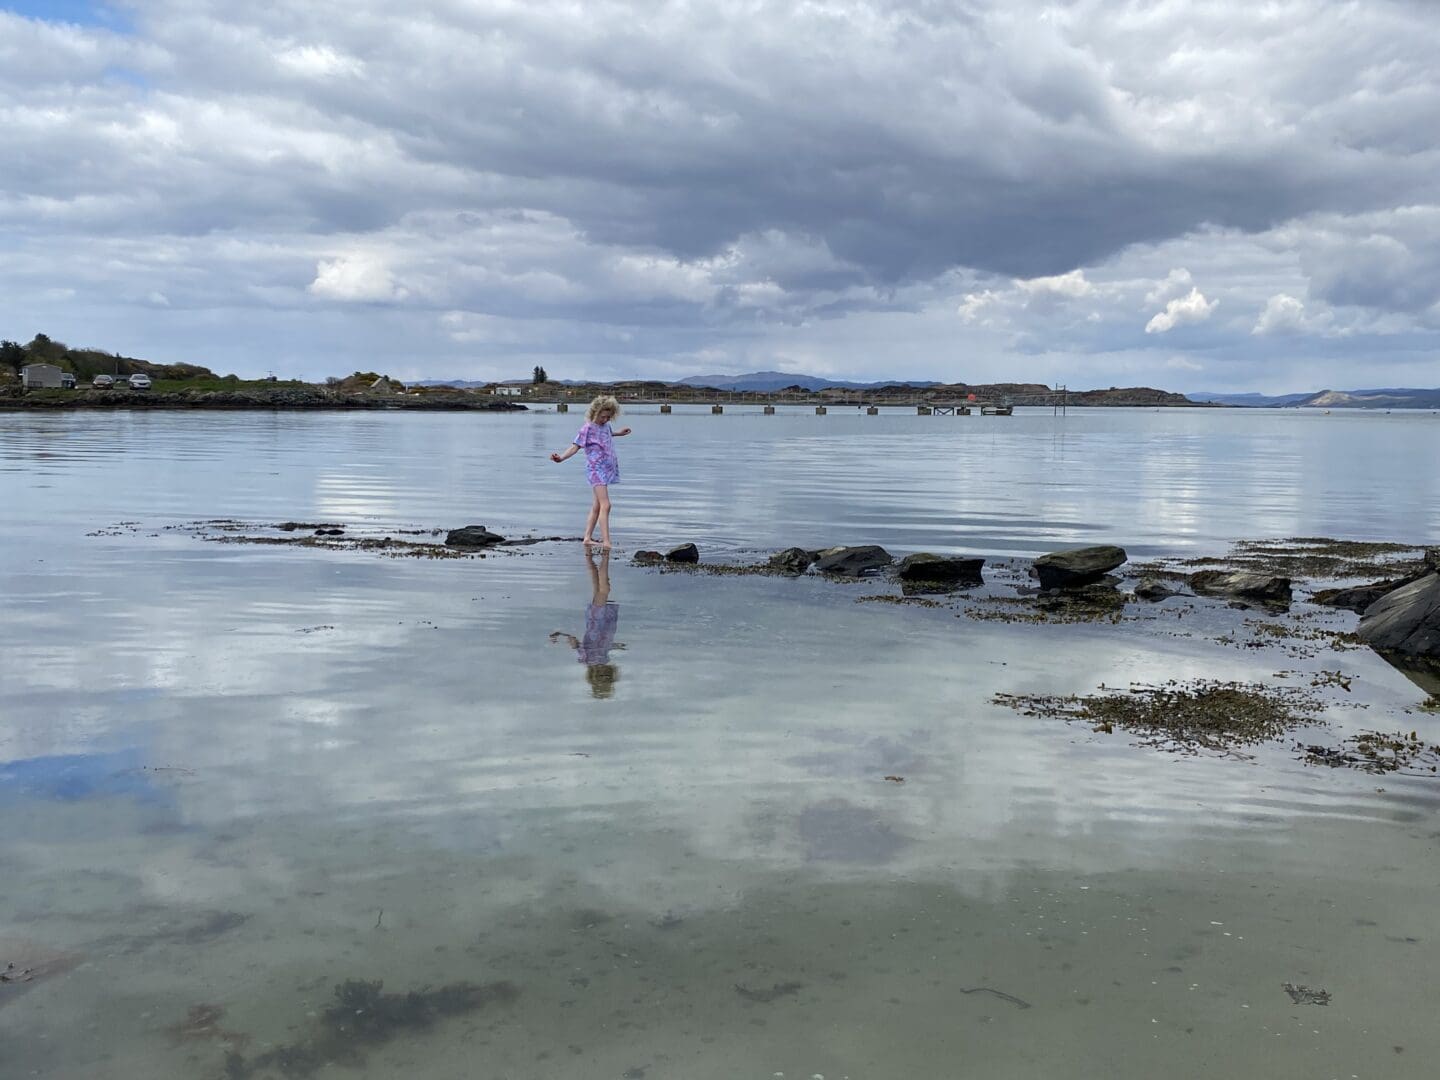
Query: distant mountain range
point(1387, 398)
point(779, 380)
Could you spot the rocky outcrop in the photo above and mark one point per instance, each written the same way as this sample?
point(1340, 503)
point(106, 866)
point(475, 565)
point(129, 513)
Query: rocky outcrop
point(1241, 586)
point(1406, 620)
point(793, 560)
point(472, 536)
point(685, 553)
point(648, 558)
point(1077, 566)
point(853, 561)
point(940, 569)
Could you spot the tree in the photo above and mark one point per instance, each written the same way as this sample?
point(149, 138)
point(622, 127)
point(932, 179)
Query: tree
point(12, 355)
point(538, 376)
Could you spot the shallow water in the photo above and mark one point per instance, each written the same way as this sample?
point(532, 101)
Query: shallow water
point(237, 776)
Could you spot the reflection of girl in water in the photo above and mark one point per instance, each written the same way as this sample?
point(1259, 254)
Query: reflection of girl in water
point(601, 620)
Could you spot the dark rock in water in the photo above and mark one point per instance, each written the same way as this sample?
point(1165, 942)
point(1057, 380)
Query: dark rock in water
point(1077, 566)
point(647, 557)
point(793, 560)
point(1406, 620)
point(329, 532)
point(1241, 586)
point(1358, 597)
point(472, 536)
point(853, 561)
point(1152, 588)
point(687, 553)
point(942, 570)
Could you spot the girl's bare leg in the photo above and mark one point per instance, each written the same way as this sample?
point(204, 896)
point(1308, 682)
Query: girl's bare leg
point(602, 502)
point(594, 516)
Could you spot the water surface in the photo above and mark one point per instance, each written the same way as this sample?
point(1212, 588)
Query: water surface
point(234, 777)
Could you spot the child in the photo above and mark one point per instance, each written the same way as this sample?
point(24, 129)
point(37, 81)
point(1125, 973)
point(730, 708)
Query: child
point(601, 466)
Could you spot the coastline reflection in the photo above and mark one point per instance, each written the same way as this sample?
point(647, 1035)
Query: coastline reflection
point(602, 618)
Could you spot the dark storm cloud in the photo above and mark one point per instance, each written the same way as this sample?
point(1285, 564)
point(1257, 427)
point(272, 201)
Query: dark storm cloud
point(702, 166)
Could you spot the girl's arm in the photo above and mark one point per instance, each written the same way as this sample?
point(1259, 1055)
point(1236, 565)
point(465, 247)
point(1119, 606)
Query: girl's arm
point(582, 436)
point(622, 431)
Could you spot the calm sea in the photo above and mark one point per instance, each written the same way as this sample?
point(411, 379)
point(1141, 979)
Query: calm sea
point(658, 841)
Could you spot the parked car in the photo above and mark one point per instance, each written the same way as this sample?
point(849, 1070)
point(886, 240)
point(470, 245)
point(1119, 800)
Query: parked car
point(102, 382)
point(139, 381)
point(67, 381)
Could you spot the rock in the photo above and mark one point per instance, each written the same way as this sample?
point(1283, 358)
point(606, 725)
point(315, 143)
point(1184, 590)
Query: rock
point(942, 570)
point(472, 536)
point(645, 557)
point(853, 561)
point(1358, 597)
point(1405, 620)
point(1152, 588)
point(1241, 586)
point(1077, 566)
point(687, 553)
point(793, 560)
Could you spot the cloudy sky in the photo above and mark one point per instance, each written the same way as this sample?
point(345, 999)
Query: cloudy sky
point(1193, 195)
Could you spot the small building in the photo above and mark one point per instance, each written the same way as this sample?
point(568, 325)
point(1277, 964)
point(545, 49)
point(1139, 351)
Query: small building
point(509, 391)
point(382, 385)
point(41, 376)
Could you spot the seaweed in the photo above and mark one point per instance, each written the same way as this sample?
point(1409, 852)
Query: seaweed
point(1184, 718)
point(1377, 752)
point(362, 1016)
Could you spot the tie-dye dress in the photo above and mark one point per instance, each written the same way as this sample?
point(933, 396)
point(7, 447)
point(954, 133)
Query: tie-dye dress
point(601, 464)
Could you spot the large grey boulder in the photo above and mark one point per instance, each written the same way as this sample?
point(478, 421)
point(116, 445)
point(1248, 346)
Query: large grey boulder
point(792, 560)
point(472, 536)
point(1241, 586)
point(1077, 566)
point(1405, 621)
point(940, 569)
point(853, 561)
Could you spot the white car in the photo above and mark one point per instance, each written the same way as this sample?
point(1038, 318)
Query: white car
point(139, 381)
point(102, 382)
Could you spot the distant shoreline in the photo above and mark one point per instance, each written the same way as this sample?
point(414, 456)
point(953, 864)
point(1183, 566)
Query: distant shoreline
point(288, 399)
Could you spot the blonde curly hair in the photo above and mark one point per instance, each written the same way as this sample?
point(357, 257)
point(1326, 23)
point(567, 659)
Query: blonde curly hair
point(603, 403)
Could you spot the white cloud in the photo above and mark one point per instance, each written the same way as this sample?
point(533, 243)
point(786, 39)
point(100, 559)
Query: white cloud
point(1182, 311)
point(1177, 283)
point(1068, 285)
point(1283, 314)
point(357, 278)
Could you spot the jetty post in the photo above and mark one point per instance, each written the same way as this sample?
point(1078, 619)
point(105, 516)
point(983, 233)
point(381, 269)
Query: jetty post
point(819, 410)
point(716, 410)
point(666, 410)
point(769, 410)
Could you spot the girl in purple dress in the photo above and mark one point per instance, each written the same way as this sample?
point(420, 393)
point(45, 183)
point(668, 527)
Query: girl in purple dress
point(602, 468)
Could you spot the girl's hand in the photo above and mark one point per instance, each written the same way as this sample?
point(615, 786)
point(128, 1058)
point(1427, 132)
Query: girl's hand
point(623, 431)
point(556, 458)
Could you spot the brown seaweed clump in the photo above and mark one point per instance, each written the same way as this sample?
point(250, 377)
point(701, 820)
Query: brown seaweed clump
point(363, 1016)
point(1184, 718)
point(1378, 752)
point(1320, 557)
